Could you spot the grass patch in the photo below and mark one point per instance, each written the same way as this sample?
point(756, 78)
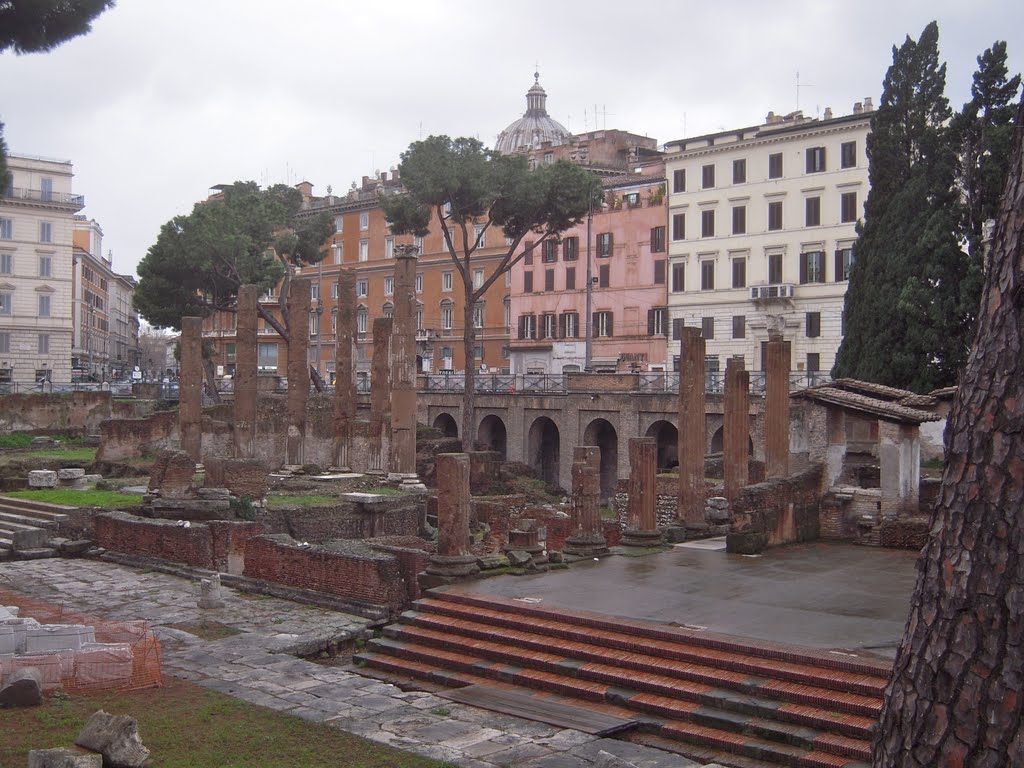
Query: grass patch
point(87, 455)
point(300, 500)
point(384, 490)
point(83, 498)
point(933, 464)
point(184, 726)
point(207, 630)
point(17, 440)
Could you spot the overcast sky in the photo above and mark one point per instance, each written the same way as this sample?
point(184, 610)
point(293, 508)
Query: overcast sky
point(166, 98)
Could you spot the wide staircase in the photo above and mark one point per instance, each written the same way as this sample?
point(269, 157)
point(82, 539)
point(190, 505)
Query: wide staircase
point(712, 698)
point(27, 525)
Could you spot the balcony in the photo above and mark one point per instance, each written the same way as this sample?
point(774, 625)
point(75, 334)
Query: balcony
point(425, 334)
point(64, 199)
point(772, 292)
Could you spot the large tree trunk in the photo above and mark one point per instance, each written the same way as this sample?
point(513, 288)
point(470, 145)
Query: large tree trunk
point(955, 698)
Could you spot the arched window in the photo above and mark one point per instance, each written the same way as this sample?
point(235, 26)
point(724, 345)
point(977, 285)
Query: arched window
point(389, 309)
point(447, 315)
point(362, 317)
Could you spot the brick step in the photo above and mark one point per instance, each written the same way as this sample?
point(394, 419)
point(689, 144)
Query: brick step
point(649, 633)
point(400, 658)
point(22, 519)
point(726, 670)
point(759, 699)
point(823, 677)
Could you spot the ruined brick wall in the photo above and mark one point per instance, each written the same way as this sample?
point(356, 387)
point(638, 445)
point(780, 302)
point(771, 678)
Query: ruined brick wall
point(401, 517)
point(904, 533)
point(161, 539)
point(66, 412)
point(352, 570)
point(122, 439)
point(413, 556)
point(777, 511)
point(228, 540)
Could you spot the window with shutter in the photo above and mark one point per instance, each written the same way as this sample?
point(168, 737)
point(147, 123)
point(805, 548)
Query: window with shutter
point(678, 278)
point(812, 325)
point(528, 282)
point(707, 327)
point(657, 239)
point(679, 226)
point(549, 279)
point(679, 180)
point(739, 326)
point(677, 330)
point(659, 272)
point(604, 272)
point(570, 278)
point(528, 249)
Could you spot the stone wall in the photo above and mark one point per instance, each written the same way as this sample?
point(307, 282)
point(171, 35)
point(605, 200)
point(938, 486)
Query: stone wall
point(399, 516)
point(777, 511)
point(353, 570)
point(202, 545)
point(72, 412)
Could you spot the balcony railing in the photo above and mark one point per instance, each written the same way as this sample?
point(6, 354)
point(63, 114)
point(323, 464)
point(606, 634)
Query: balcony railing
point(43, 196)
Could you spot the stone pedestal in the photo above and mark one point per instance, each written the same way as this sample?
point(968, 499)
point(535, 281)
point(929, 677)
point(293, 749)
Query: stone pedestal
point(344, 380)
point(299, 293)
point(736, 427)
point(692, 430)
point(526, 538)
point(642, 517)
point(587, 539)
point(246, 362)
point(453, 560)
point(776, 407)
point(380, 398)
point(209, 593)
point(190, 388)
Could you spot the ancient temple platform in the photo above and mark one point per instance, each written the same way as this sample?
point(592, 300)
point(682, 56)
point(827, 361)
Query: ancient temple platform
point(830, 596)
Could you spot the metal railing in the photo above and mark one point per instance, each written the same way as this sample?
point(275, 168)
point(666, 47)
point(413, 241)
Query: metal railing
point(43, 196)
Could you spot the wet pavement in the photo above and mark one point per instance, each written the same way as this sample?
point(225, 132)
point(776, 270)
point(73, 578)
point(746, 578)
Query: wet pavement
point(821, 595)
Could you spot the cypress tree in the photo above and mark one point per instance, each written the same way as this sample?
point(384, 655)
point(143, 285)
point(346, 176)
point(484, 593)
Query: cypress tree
point(902, 321)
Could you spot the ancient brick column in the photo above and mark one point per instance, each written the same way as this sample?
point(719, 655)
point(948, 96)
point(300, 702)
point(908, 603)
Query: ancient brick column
point(453, 558)
point(776, 407)
point(642, 516)
point(190, 388)
point(298, 367)
point(403, 368)
point(736, 429)
point(691, 430)
point(344, 379)
point(587, 539)
point(380, 397)
point(245, 373)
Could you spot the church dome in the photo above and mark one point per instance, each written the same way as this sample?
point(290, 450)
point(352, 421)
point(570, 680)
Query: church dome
point(533, 128)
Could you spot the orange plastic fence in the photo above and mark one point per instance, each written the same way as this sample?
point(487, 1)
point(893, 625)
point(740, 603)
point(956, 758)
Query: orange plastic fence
point(128, 659)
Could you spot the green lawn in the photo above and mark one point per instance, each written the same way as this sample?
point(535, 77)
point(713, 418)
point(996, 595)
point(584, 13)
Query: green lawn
point(186, 726)
point(84, 498)
point(85, 455)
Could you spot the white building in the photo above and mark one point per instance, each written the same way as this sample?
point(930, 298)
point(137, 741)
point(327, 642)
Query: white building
point(761, 233)
point(36, 224)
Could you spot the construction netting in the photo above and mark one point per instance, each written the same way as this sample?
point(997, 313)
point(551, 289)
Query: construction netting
point(74, 651)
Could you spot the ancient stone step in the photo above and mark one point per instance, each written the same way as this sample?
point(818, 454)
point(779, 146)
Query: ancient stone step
point(23, 519)
point(24, 536)
point(738, 737)
point(649, 632)
point(682, 649)
point(33, 508)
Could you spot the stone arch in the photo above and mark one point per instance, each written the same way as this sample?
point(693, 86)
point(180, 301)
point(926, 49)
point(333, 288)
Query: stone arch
point(718, 442)
point(446, 423)
point(493, 435)
point(667, 437)
point(601, 433)
point(543, 446)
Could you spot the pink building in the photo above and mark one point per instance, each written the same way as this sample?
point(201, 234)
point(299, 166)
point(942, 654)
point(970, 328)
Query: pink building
point(627, 253)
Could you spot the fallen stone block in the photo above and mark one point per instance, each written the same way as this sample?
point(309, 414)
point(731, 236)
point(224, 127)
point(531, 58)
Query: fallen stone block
point(44, 442)
point(42, 478)
point(47, 638)
point(608, 760)
point(63, 758)
point(490, 562)
point(116, 737)
point(75, 547)
point(518, 558)
point(69, 475)
point(24, 688)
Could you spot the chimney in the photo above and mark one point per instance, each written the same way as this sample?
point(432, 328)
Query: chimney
point(769, 118)
point(828, 113)
point(868, 106)
point(858, 108)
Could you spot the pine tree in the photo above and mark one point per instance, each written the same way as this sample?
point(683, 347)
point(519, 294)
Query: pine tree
point(903, 324)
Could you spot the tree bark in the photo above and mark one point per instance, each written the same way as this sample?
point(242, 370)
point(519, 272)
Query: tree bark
point(955, 698)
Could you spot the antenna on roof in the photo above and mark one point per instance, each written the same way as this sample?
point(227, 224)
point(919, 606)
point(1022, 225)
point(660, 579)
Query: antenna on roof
point(800, 85)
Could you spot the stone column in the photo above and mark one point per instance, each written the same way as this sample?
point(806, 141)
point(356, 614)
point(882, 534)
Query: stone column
point(403, 370)
point(190, 388)
point(899, 463)
point(691, 431)
point(776, 407)
point(380, 397)
point(245, 373)
point(344, 378)
point(298, 367)
point(736, 427)
point(453, 559)
point(587, 539)
point(642, 517)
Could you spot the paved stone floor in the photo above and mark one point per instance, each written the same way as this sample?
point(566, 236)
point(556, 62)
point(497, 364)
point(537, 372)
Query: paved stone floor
point(822, 595)
point(255, 666)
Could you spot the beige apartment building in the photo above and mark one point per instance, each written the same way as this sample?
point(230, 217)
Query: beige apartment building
point(761, 231)
point(37, 211)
